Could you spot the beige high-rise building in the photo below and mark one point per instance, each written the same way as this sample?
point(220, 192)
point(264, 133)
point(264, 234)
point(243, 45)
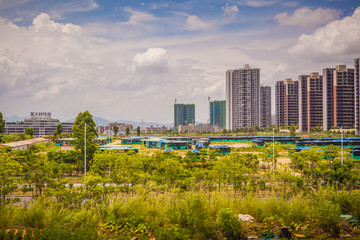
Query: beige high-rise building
point(302, 79)
point(242, 97)
point(357, 94)
point(338, 97)
point(287, 102)
point(314, 101)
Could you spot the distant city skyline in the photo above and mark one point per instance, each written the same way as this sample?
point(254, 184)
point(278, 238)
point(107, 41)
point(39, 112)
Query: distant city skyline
point(130, 59)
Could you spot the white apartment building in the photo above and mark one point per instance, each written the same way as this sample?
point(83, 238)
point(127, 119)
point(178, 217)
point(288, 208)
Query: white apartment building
point(242, 97)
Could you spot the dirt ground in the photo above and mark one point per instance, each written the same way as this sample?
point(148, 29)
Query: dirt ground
point(238, 145)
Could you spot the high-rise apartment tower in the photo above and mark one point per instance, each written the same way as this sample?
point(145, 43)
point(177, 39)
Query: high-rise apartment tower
point(287, 102)
point(265, 106)
point(328, 98)
point(303, 103)
point(338, 97)
point(357, 94)
point(242, 97)
point(314, 101)
point(280, 103)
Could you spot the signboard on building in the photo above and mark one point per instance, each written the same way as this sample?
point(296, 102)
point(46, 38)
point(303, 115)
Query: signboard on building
point(46, 115)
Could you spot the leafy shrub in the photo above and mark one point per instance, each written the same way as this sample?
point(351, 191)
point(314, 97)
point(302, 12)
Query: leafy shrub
point(10, 235)
point(229, 224)
point(195, 216)
point(18, 235)
point(328, 215)
point(34, 215)
point(172, 233)
point(56, 234)
point(2, 234)
point(37, 233)
point(28, 234)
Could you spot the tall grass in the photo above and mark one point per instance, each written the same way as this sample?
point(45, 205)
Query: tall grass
point(188, 215)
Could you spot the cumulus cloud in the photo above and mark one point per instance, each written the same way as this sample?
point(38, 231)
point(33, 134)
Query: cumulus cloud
point(41, 60)
point(338, 38)
point(305, 17)
point(194, 23)
point(43, 22)
point(230, 11)
point(58, 67)
point(154, 60)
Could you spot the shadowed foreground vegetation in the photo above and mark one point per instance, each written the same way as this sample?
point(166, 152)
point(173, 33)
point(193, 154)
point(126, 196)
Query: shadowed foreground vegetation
point(187, 215)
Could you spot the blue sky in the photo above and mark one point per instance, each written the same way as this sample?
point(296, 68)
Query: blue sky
point(130, 59)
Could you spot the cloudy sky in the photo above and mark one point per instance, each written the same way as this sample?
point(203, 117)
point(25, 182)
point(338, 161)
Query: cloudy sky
point(130, 60)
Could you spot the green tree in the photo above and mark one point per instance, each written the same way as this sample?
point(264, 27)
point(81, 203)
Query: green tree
point(292, 130)
point(9, 169)
point(79, 134)
point(59, 128)
point(267, 155)
point(29, 131)
point(271, 127)
point(127, 131)
point(138, 131)
point(2, 125)
point(56, 179)
point(116, 130)
point(36, 169)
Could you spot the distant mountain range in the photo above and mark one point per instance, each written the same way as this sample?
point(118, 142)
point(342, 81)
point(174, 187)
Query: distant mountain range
point(99, 121)
point(14, 118)
point(103, 122)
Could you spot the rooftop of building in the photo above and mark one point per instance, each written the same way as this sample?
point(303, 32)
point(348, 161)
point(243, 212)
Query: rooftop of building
point(24, 142)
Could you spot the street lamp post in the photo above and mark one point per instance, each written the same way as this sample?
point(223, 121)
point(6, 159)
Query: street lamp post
point(108, 144)
point(273, 150)
point(342, 146)
point(85, 153)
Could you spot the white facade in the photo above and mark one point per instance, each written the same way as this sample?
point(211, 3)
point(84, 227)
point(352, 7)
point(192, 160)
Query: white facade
point(242, 97)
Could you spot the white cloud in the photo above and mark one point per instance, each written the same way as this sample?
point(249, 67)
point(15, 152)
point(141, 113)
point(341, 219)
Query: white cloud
point(43, 22)
point(194, 23)
point(336, 39)
point(73, 6)
point(258, 3)
point(154, 60)
point(144, 63)
point(57, 67)
point(139, 17)
point(306, 17)
point(230, 11)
